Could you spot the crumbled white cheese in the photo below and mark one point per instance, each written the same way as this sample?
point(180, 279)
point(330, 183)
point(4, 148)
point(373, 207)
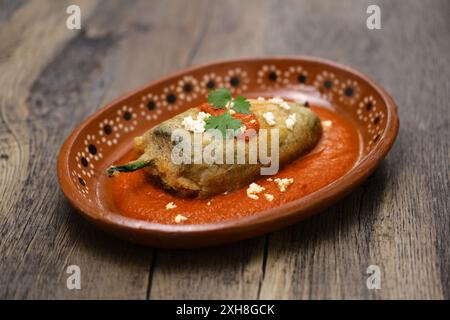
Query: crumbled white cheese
point(270, 118)
point(276, 100)
point(208, 203)
point(188, 123)
point(203, 115)
point(253, 189)
point(252, 121)
point(280, 102)
point(170, 205)
point(195, 125)
point(284, 183)
point(285, 106)
point(261, 99)
point(232, 112)
point(269, 197)
point(327, 123)
point(290, 121)
point(269, 179)
point(180, 218)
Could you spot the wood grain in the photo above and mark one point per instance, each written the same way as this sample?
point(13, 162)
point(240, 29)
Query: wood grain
point(51, 78)
point(394, 220)
point(234, 271)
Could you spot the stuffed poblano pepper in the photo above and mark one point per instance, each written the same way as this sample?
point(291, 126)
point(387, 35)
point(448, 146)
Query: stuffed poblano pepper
point(287, 129)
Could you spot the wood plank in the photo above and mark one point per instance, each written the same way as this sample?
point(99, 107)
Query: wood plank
point(398, 219)
point(51, 78)
point(232, 272)
point(41, 234)
point(8, 7)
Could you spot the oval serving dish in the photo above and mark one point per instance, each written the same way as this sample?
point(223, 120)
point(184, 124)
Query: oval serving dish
point(107, 135)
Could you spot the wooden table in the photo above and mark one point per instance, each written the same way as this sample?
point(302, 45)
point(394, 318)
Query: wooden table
point(51, 78)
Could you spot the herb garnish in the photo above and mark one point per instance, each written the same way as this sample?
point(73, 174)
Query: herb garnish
point(241, 105)
point(221, 98)
point(223, 122)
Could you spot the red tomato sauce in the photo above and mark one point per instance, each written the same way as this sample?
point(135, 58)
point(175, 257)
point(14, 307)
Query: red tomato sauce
point(336, 153)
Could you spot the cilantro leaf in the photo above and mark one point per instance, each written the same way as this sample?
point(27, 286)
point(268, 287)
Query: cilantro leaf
point(241, 105)
point(223, 122)
point(219, 98)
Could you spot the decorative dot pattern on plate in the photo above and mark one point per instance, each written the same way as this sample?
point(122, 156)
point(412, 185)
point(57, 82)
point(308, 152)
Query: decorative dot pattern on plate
point(93, 147)
point(236, 80)
point(126, 119)
point(170, 98)
point(327, 84)
point(210, 81)
point(349, 92)
point(269, 76)
point(150, 106)
point(187, 88)
point(295, 76)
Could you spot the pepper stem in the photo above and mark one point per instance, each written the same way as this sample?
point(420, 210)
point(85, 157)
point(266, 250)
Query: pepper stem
point(131, 166)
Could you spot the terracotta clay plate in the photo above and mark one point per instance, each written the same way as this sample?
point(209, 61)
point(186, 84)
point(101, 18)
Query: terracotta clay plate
point(106, 137)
